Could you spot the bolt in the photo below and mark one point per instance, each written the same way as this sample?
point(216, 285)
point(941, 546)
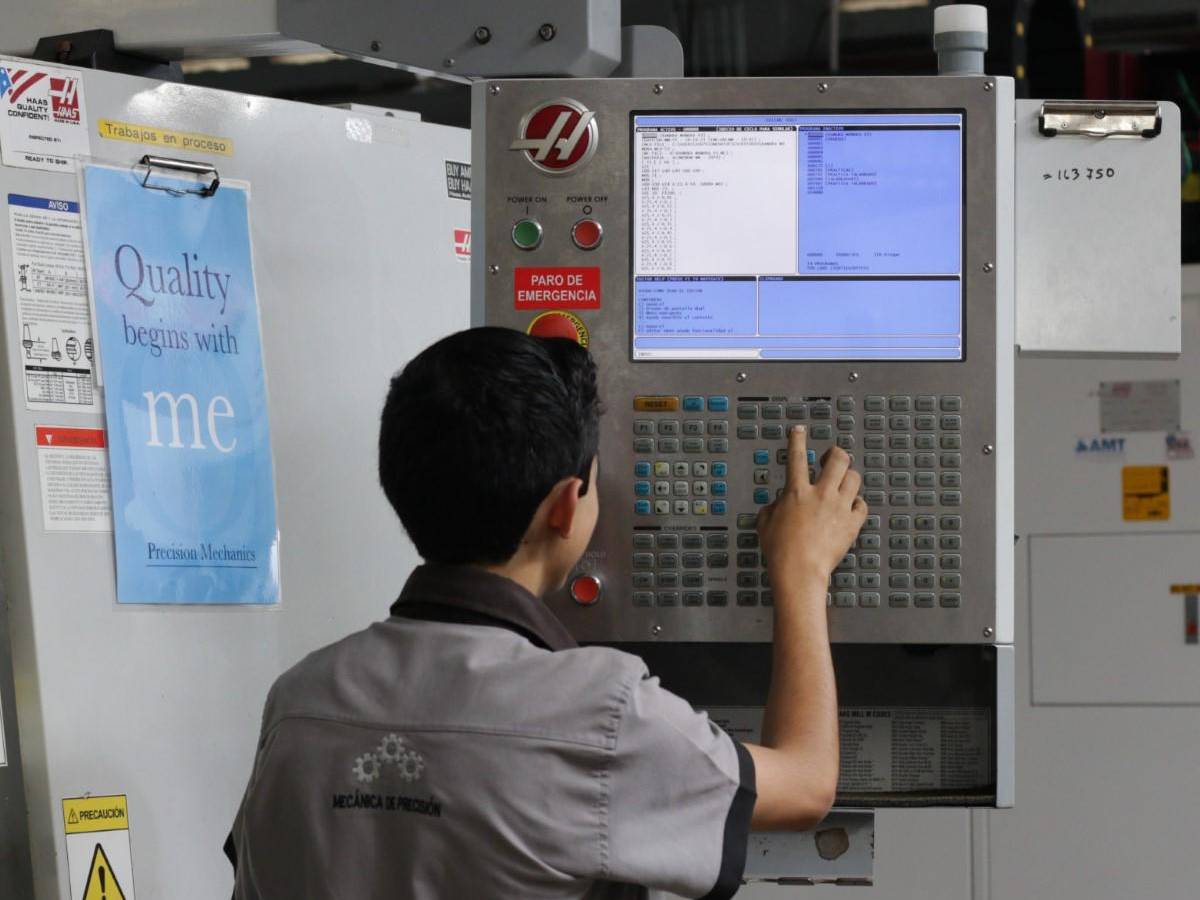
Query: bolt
point(449, 62)
point(656, 630)
point(494, 269)
point(853, 376)
point(988, 449)
point(483, 34)
point(741, 377)
point(987, 85)
point(375, 45)
point(494, 89)
point(988, 632)
point(988, 267)
point(1100, 114)
point(547, 32)
point(822, 87)
point(658, 89)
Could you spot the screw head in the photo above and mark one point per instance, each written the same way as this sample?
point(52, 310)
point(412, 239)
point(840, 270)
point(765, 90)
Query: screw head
point(822, 87)
point(987, 85)
point(494, 89)
point(658, 89)
point(449, 62)
point(483, 34)
point(547, 32)
point(989, 632)
point(375, 45)
point(989, 267)
point(988, 449)
point(656, 630)
point(494, 269)
point(741, 377)
point(853, 376)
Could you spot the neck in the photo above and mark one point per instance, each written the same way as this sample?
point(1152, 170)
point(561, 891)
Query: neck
point(531, 574)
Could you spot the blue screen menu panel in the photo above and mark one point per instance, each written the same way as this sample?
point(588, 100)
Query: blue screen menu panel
point(831, 236)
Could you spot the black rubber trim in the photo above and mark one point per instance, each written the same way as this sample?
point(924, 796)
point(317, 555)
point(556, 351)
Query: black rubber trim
point(737, 830)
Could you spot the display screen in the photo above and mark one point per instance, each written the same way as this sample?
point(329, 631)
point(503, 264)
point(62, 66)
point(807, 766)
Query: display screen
point(836, 236)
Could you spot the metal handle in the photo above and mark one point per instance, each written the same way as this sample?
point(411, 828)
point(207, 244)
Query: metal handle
point(200, 170)
point(1129, 118)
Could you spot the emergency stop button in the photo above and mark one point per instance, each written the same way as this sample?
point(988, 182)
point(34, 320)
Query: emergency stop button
point(558, 323)
point(586, 589)
point(587, 234)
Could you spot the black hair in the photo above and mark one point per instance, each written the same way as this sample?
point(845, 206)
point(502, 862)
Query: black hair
point(475, 432)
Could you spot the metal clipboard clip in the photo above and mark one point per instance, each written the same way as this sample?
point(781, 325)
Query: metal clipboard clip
point(202, 171)
point(1114, 118)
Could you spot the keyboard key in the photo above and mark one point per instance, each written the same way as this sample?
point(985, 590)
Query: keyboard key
point(951, 403)
point(923, 601)
point(772, 411)
point(869, 600)
point(718, 404)
point(668, 542)
point(898, 600)
point(693, 598)
point(875, 403)
point(900, 404)
point(641, 508)
point(926, 403)
point(747, 411)
point(643, 579)
point(643, 598)
point(844, 599)
point(643, 445)
point(900, 523)
point(951, 601)
point(717, 598)
point(747, 598)
point(797, 411)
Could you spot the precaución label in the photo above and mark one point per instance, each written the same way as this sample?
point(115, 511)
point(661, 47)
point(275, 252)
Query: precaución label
point(164, 138)
point(99, 859)
point(73, 464)
point(1146, 493)
point(566, 287)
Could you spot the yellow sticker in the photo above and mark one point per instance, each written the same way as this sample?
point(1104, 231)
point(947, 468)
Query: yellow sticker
point(102, 883)
point(1185, 589)
point(165, 139)
point(96, 814)
point(1146, 493)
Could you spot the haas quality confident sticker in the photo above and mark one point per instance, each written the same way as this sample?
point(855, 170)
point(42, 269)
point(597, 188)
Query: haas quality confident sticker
point(558, 136)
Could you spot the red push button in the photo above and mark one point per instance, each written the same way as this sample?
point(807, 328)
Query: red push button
point(587, 234)
point(559, 324)
point(585, 589)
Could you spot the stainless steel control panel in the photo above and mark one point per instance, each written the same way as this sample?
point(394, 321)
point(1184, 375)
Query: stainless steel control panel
point(691, 448)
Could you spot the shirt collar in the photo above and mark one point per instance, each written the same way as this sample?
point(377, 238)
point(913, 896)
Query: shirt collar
point(475, 595)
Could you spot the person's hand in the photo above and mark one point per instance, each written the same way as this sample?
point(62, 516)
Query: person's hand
point(808, 529)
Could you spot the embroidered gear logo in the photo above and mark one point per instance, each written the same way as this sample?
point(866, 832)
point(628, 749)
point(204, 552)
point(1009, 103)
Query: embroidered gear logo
point(393, 756)
point(558, 136)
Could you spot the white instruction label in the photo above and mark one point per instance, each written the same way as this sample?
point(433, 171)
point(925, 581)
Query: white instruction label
point(43, 119)
point(74, 468)
point(54, 321)
point(897, 749)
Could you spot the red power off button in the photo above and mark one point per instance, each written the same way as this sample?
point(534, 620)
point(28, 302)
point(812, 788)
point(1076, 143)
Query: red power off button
point(585, 589)
point(587, 234)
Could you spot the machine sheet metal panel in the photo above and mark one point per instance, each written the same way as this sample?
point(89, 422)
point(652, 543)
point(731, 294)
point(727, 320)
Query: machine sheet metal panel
point(1107, 627)
point(350, 239)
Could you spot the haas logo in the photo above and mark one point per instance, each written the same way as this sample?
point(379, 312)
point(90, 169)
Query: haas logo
point(64, 99)
point(558, 136)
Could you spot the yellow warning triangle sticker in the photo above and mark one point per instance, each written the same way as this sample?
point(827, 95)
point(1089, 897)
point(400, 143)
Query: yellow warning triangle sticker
point(101, 882)
point(74, 818)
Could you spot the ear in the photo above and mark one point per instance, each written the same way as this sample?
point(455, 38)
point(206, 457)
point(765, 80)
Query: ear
point(563, 505)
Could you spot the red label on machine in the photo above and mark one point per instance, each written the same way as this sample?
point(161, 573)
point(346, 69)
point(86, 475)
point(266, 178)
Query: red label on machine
point(89, 438)
point(557, 288)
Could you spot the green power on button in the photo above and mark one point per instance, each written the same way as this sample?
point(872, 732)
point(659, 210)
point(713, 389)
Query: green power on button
point(527, 234)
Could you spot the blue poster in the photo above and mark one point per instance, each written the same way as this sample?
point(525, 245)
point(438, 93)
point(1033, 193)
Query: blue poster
point(193, 485)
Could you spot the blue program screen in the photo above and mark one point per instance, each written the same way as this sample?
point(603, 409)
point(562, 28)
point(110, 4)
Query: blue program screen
point(835, 236)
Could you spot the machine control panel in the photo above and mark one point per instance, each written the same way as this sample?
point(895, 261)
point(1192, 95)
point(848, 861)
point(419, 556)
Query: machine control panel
point(745, 256)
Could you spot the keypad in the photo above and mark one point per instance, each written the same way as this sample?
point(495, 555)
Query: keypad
point(704, 463)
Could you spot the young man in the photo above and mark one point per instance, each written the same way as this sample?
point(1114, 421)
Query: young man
point(466, 748)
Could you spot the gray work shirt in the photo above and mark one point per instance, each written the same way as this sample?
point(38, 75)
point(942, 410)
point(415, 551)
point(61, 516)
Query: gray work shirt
point(467, 747)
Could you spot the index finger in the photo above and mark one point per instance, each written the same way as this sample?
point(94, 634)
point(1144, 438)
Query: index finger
point(797, 464)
